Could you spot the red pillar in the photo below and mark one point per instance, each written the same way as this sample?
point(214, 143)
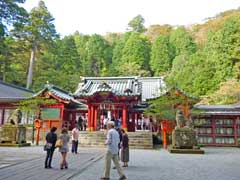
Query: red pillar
point(89, 117)
point(92, 118)
point(135, 117)
point(124, 118)
point(95, 119)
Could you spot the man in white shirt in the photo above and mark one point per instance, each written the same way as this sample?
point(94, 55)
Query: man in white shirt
point(75, 134)
point(112, 152)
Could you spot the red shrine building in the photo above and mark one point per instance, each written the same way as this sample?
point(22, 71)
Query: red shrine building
point(62, 113)
point(122, 98)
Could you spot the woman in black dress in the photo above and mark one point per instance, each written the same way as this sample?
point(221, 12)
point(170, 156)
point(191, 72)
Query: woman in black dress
point(124, 148)
point(51, 139)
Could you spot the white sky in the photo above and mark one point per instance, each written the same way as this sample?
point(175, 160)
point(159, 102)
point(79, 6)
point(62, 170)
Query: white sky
point(102, 16)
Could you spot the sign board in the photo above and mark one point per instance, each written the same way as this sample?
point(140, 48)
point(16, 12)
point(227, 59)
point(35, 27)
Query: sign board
point(50, 113)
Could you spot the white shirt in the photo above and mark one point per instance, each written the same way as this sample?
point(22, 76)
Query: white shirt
point(113, 141)
point(75, 134)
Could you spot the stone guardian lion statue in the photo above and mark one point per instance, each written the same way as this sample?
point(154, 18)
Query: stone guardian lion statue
point(15, 118)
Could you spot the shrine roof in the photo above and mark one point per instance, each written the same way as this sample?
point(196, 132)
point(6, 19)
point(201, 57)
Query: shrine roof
point(59, 93)
point(215, 109)
point(146, 87)
point(175, 88)
point(151, 87)
point(10, 92)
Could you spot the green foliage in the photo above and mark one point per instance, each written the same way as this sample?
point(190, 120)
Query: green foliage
point(136, 50)
point(38, 32)
point(98, 56)
point(199, 58)
point(182, 41)
point(228, 93)
point(33, 104)
point(132, 69)
point(156, 30)
point(10, 13)
point(137, 24)
point(39, 29)
point(164, 107)
point(161, 55)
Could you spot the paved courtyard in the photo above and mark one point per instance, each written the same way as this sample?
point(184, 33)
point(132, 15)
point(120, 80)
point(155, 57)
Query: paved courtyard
point(28, 163)
point(216, 164)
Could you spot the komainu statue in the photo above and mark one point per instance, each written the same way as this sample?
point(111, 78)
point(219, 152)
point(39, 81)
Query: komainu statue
point(15, 118)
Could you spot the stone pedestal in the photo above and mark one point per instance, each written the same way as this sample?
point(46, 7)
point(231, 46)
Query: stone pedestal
point(184, 141)
point(11, 135)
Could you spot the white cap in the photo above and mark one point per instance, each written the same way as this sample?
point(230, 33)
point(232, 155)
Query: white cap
point(111, 123)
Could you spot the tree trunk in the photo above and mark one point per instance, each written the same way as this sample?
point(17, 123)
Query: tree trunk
point(30, 69)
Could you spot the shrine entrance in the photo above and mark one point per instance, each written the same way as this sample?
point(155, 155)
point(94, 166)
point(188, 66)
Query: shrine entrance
point(106, 104)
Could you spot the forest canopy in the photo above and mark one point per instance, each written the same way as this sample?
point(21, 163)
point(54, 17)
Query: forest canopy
point(199, 58)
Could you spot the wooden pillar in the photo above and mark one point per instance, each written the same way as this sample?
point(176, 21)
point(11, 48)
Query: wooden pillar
point(3, 114)
point(213, 129)
point(124, 118)
point(165, 139)
point(95, 119)
point(235, 131)
point(92, 118)
point(61, 106)
point(89, 117)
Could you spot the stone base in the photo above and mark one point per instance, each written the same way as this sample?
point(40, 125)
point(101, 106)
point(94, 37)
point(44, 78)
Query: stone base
point(10, 134)
point(184, 138)
point(14, 145)
point(185, 151)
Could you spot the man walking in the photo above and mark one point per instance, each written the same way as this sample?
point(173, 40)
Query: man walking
point(112, 152)
point(75, 134)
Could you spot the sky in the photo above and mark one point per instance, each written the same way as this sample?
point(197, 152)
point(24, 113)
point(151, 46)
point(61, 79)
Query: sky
point(103, 16)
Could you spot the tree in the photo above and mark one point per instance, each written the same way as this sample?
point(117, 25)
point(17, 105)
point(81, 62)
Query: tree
point(81, 42)
point(10, 12)
point(60, 65)
point(136, 24)
point(132, 69)
point(38, 31)
point(228, 93)
point(98, 56)
point(137, 50)
point(117, 54)
point(182, 41)
point(161, 55)
point(156, 30)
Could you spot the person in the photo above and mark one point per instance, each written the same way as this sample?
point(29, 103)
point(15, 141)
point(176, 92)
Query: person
point(112, 152)
point(119, 144)
point(51, 139)
point(80, 123)
point(64, 149)
point(84, 123)
point(124, 148)
point(75, 134)
point(116, 123)
point(151, 123)
point(105, 120)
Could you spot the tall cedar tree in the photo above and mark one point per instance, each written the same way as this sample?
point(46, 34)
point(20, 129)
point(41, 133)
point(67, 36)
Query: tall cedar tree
point(39, 31)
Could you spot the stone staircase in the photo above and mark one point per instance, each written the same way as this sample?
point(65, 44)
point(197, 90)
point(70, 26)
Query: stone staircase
point(137, 140)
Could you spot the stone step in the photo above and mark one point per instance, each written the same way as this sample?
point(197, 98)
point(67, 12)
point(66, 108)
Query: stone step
point(137, 140)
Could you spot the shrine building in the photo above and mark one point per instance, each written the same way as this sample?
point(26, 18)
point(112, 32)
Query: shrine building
point(10, 95)
point(122, 98)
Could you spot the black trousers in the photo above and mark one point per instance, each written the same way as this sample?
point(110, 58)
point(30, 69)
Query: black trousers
point(48, 160)
point(74, 146)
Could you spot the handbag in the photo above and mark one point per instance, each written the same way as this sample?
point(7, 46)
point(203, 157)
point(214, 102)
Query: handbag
point(59, 143)
point(47, 146)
